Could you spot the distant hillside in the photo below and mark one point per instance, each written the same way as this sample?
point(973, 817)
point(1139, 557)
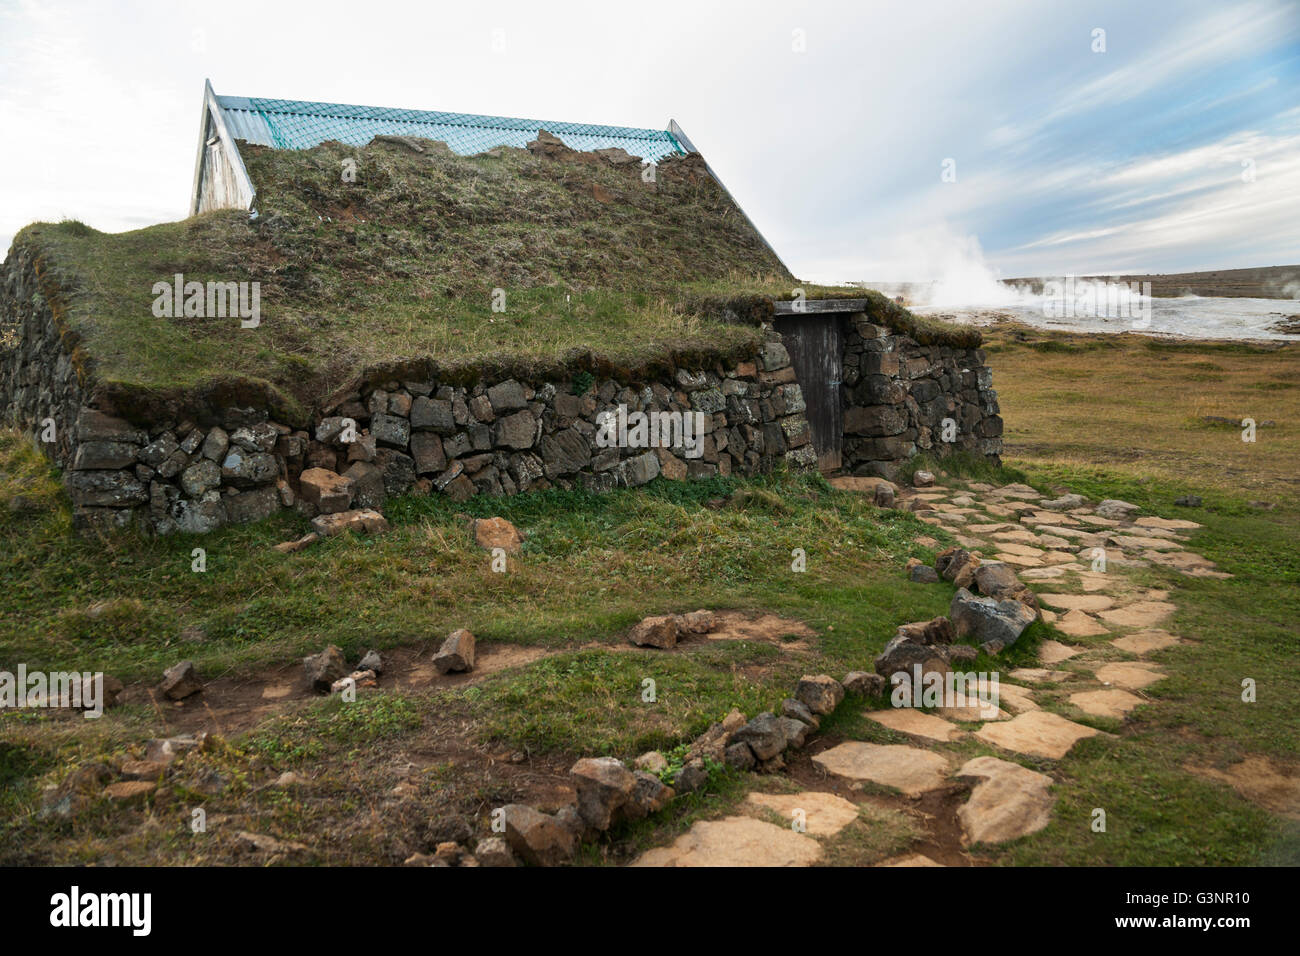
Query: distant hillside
point(1268, 282)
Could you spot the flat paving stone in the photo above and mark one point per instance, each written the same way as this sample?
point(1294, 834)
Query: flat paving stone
point(973, 712)
point(1129, 675)
point(1037, 733)
point(1023, 550)
point(1145, 642)
point(1105, 703)
point(907, 769)
point(1019, 560)
point(1077, 602)
point(824, 814)
point(1053, 652)
point(909, 720)
point(1173, 524)
point(1009, 802)
point(1141, 614)
point(1039, 675)
point(735, 841)
point(1080, 624)
point(1015, 699)
point(912, 859)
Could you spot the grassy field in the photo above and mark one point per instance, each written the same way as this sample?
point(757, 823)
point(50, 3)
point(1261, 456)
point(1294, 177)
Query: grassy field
point(412, 763)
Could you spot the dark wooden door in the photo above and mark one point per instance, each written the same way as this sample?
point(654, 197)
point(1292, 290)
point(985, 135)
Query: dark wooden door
point(816, 347)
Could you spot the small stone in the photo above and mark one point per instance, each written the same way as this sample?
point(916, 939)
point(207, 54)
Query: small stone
point(143, 769)
point(798, 710)
point(490, 533)
point(328, 492)
point(604, 788)
point(739, 757)
point(652, 762)
point(325, 668)
point(821, 693)
point(696, 622)
point(539, 838)
point(362, 521)
point(660, 632)
point(864, 684)
point(923, 574)
point(456, 653)
point(180, 681)
point(922, 479)
point(128, 791)
point(494, 851)
point(372, 661)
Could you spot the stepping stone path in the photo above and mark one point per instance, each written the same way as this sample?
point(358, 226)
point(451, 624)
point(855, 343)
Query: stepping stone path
point(1035, 733)
point(824, 814)
point(908, 769)
point(1130, 675)
point(917, 723)
point(1009, 802)
point(1145, 642)
point(1105, 614)
point(1105, 703)
point(735, 841)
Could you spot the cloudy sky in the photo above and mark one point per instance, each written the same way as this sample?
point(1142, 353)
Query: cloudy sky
point(1176, 147)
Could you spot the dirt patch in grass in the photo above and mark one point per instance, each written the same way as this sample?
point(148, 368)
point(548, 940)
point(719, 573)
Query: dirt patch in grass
point(1262, 782)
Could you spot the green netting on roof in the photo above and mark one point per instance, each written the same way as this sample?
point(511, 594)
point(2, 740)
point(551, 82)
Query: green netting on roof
point(296, 124)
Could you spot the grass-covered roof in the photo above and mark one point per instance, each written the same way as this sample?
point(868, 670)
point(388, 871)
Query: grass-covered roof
point(398, 267)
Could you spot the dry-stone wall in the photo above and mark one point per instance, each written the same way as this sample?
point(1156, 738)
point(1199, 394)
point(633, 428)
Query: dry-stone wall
point(897, 395)
point(236, 465)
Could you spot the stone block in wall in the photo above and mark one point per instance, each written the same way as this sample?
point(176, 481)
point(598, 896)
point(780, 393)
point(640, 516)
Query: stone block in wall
point(516, 431)
point(874, 420)
point(427, 451)
point(432, 414)
point(796, 431)
point(200, 515)
point(507, 396)
point(94, 425)
point(200, 477)
point(398, 470)
point(245, 469)
point(801, 458)
point(638, 470)
point(564, 453)
point(104, 455)
point(367, 484)
point(106, 489)
point(772, 356)
point(246, 507)
point(390, 430)
point(255, 438)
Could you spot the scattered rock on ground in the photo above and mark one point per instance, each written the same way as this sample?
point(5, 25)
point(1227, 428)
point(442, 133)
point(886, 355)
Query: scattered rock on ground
point(659, 631)
point(325, 668)
point(180, 681)
point(456, 653)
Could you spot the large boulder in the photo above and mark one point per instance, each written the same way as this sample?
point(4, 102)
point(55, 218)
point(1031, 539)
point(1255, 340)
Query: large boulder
point(993, 623)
